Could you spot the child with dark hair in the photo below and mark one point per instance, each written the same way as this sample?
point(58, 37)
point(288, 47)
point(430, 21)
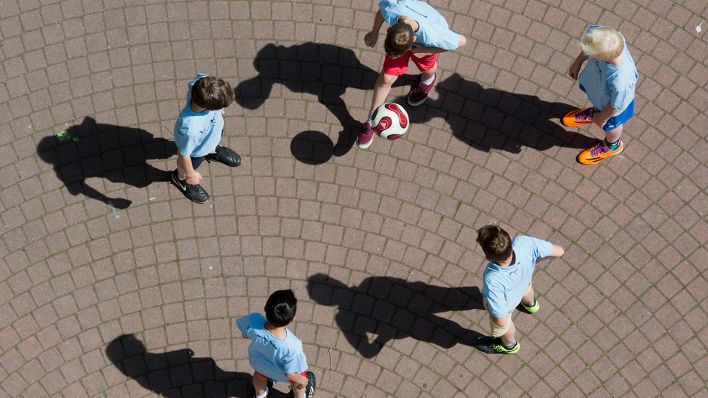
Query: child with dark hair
point(417, 33)
point(198, 133)
point(275, 353)
point(507, 284)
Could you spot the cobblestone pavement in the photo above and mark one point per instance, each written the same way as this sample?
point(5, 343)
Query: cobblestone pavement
point(113, 284)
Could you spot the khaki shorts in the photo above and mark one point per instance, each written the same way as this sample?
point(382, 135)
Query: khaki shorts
point(498, 331)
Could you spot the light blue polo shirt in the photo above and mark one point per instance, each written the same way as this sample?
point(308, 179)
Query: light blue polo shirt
point(197, 133)
point(433, 29)
point(503, 287)
point(610, 84)
point(269, 355)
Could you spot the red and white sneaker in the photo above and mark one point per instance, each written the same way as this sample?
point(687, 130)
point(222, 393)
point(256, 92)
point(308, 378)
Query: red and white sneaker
point(419, 93)
point(366, 137)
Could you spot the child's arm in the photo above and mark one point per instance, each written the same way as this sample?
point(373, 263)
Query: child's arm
point(574, 69)
point(185, 164)
point(557, 251)
point(372, 37)
point(601, 118)
point(299, 380)
point(421, 49)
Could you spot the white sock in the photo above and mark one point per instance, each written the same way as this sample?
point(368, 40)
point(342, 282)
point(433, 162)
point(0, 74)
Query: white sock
point(368, 119)
point(265, 394)
point(428, 80)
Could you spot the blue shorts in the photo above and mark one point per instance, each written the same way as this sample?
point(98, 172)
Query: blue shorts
point(616, 120)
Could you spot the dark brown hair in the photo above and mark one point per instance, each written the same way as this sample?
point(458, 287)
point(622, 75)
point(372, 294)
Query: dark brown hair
point(399, 39)
point(495, 242)
point(212, 93)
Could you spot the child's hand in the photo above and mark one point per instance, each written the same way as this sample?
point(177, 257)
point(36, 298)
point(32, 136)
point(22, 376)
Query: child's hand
point(371, 38)
point(195, 179)
point(574, 70)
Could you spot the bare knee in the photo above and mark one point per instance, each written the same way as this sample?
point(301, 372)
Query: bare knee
point(386, 80)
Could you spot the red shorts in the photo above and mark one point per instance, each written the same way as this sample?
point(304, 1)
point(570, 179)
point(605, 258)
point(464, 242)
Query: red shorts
point(399, 66)
point(266, 377)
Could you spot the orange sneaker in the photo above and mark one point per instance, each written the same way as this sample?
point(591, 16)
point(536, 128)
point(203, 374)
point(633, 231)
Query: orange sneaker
point(598, 153)
point(577, 117)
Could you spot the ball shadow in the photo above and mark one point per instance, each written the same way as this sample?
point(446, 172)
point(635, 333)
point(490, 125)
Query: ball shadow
point(312, 147)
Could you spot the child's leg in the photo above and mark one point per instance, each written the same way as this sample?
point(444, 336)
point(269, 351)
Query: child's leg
point(613, 135)
point(509, 338)
point(382, 88)
point(260, 384)
point(298, 393)
point(528, 297)
point(428, 65)
point(428, 74)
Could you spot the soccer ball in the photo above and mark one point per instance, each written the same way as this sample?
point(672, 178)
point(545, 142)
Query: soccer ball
point(390, 121)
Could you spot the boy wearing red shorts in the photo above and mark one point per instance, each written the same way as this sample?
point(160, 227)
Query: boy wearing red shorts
point(275, 352)
point(417, 33)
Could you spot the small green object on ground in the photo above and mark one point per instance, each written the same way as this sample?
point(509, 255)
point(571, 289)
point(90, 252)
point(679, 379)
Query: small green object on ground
point(66, 136)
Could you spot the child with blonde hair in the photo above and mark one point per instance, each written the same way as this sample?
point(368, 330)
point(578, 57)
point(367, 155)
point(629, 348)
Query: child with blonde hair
point(609, 80)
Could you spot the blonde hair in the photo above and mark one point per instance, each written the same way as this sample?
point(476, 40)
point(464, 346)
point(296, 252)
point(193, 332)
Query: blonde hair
point(603, 44)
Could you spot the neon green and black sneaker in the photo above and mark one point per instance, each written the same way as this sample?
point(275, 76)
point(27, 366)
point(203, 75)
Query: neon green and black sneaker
point(529, 309)
point(494, 345)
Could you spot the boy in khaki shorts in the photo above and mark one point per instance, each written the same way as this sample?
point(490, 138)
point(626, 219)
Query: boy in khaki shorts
point(507, 283)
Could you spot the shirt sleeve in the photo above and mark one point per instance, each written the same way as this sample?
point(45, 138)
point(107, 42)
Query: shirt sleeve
point(386, 10)
point(446, 40)
point(244, 325)
point(541, 248)
point(295, 362)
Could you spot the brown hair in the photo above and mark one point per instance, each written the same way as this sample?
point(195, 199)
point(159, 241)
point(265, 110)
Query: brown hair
point(212, 93)
point(399, 39)
point(495, 242)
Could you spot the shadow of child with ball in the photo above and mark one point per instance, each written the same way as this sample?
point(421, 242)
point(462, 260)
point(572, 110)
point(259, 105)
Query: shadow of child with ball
point(324, 70)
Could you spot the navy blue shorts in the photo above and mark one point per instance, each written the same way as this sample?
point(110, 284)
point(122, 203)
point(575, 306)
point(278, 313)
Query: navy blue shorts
point(196, 161)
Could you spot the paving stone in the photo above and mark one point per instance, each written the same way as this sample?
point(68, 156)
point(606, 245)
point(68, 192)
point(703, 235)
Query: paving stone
point(77, 273)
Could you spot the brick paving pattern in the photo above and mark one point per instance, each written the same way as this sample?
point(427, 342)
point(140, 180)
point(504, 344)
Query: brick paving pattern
point(112, 284)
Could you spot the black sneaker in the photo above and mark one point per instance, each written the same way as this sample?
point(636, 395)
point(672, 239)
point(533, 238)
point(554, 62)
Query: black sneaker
point(494, 345)
point(311, 384)
point(195, 192)
point(224, 155)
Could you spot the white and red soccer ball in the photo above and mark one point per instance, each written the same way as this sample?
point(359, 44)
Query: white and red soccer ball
point(390, 121)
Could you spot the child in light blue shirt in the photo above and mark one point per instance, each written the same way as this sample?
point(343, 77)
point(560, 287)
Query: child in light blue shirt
point(198, 132)
point(417, 33)
point(275, 352)
point(507, 283)
point(609, 80)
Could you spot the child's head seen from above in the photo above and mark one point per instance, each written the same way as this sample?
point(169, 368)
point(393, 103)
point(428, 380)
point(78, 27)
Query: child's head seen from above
point(281, 307)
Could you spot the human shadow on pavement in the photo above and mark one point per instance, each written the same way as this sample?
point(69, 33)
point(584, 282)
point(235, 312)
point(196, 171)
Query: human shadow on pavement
point(495, 119)
point(392, 308)
point(117, 153)
point(177, 374)
point(324, 70)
